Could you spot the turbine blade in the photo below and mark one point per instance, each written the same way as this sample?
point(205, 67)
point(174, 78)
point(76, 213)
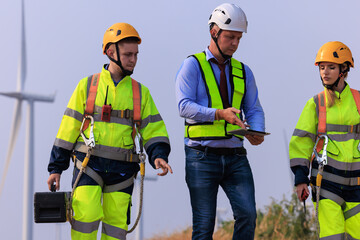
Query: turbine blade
point(13, 136)
point(22, 60)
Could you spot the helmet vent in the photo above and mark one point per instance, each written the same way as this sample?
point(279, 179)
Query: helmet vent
point(118, 33)
point(219, 10)
point(228, 21)
point(335, 54)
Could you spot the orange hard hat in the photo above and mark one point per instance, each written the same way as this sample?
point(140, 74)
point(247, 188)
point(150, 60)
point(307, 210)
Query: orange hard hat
point(117, 32)
point(335, 52)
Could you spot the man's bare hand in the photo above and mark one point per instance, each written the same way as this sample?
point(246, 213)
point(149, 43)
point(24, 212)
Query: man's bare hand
point(54, 178)
point(229, 115)
point(254, 139)
point(300, 188)
point(161, 163)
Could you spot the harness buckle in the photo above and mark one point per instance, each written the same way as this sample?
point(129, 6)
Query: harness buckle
point(142, 157)
point(322, 160)
point(89, 142)
point(127, 113)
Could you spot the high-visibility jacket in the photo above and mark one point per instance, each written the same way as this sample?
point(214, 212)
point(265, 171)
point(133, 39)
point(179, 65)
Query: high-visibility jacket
point(219, 128)
point(339, 206)
point(115, 136)
point(342, 121)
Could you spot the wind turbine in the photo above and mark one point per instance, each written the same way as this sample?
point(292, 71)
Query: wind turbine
point(31, 98)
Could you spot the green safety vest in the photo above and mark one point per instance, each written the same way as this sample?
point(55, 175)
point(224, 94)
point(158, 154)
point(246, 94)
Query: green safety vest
point(219, 128)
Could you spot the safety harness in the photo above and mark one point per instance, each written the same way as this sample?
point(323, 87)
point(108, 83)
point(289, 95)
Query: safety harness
point(88, 118)
point(321, 144)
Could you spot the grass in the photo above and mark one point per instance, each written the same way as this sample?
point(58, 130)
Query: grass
point(281, 220)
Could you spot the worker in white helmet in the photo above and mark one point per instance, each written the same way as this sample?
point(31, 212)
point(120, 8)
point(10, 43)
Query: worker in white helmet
point(215, 93)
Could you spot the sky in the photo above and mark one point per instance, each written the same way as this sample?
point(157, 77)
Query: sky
point(64, 45)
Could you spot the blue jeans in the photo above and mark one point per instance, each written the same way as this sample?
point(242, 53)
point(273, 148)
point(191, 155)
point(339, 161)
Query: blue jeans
point(205, 172)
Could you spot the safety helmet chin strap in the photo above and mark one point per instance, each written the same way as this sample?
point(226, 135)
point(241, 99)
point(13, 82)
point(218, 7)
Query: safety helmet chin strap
point(332, 86)
point(118, 62)
point(226, 57)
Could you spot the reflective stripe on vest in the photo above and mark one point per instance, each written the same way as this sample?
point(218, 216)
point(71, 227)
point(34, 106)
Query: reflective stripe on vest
point(219, 128)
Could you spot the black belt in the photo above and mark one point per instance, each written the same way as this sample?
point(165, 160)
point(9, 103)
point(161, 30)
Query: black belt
point(221, 151)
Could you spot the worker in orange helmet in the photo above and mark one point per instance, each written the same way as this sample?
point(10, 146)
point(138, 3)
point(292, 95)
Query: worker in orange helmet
point(121, 107)
point(326, 138)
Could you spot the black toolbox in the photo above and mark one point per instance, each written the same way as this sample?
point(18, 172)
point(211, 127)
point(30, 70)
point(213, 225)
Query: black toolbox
point(51, 207)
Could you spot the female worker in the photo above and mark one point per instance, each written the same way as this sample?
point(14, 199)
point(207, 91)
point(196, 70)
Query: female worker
point(327, 138)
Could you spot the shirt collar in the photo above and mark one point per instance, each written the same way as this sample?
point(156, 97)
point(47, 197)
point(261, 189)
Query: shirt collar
point(209, 56)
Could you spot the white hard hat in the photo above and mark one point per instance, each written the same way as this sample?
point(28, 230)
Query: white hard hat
point(230, 17)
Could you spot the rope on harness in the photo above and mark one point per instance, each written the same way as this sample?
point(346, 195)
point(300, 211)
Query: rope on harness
point(90, 143)
point(142, 174)
point(322, 161)
point(135, 133)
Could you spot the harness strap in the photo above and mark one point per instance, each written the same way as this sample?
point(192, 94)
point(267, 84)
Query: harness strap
point(352, 212)
point(322, 120)
point(137, 108)
point(332, 196)
point(136, 113)
point(91, 173)
point(343, 128)
point(136, 102)
point(356, 96)
point(322, 113)
point(322, 116)
point(119, 186)
point(90, 102)
point(119, 156)
point(127, 113)
point(98, 179)
point(355, 181)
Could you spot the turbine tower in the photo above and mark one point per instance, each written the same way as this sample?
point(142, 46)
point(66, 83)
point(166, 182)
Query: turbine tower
point(139, 231)
point(20, 95)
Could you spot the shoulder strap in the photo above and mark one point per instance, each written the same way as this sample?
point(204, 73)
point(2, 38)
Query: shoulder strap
point(356, 96)
point(137, 111)
point(322, 113)
point(320, 101)
point(136, 102)
point(90, 102)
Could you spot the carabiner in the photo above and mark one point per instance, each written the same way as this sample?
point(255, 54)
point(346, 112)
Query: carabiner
point(89, 142)
point(322, 160)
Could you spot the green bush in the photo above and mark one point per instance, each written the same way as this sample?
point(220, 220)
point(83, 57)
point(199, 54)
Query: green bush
point(283, 220)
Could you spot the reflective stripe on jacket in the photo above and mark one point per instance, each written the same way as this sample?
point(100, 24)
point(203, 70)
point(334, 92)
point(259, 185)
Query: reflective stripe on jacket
point(114, 136)
point(219, 128)
point(341, 121)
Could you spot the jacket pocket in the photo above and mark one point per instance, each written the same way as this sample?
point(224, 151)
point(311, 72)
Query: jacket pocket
point(127, 141)
point(356, 149)
point(332, 148)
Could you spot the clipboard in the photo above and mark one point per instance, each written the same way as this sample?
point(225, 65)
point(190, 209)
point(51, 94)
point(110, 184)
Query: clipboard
point(245, 131)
